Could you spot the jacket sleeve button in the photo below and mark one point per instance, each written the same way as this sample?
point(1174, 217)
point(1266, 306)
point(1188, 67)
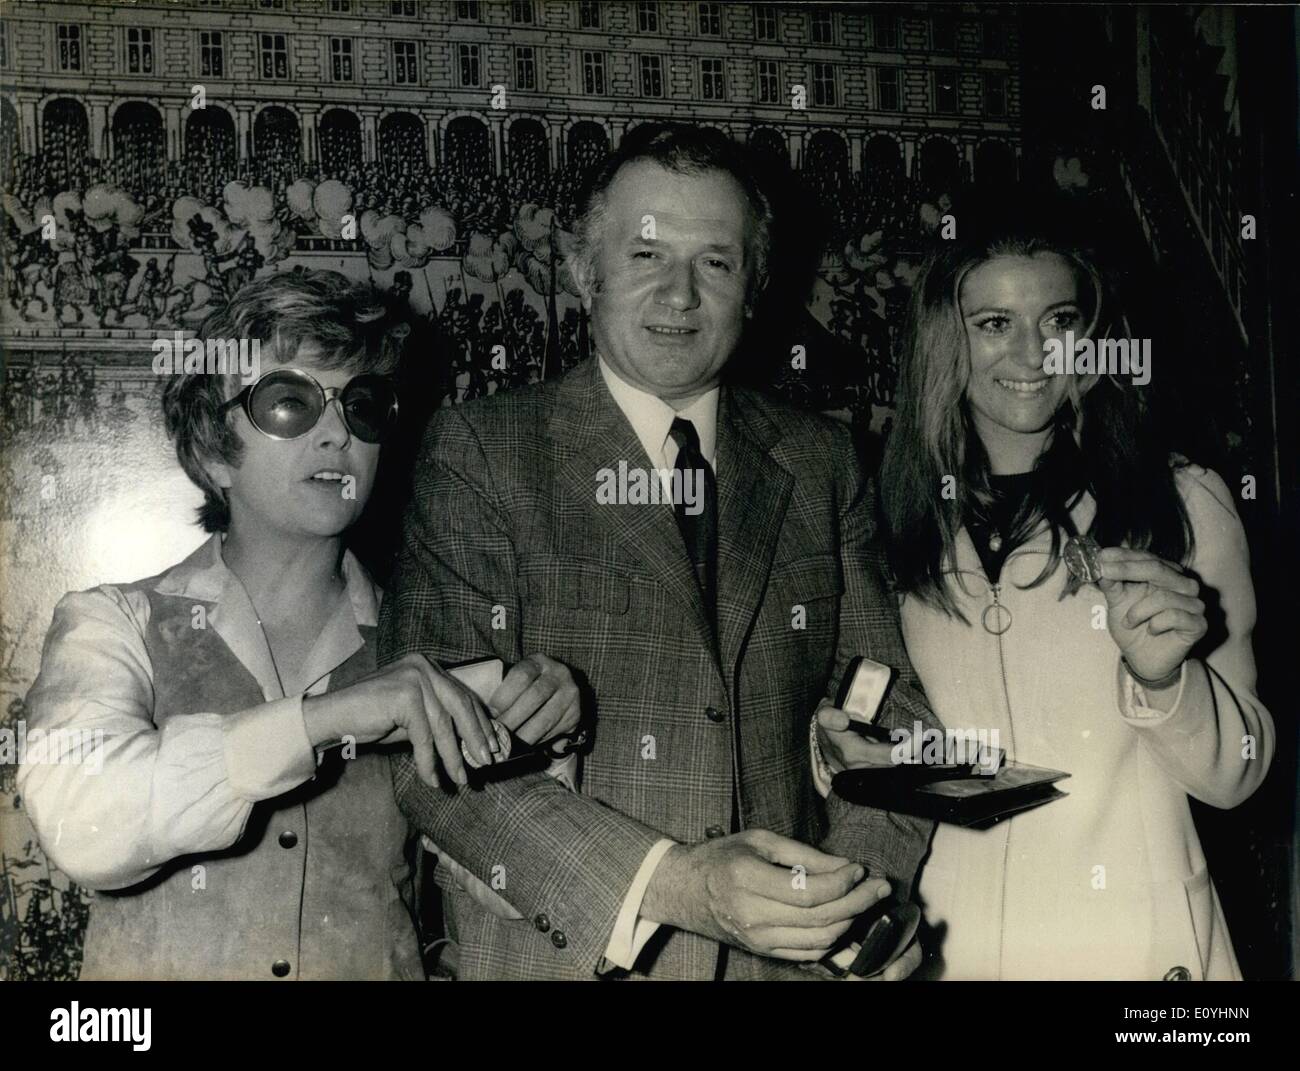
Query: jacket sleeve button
point(542, 923)
point(559, 940)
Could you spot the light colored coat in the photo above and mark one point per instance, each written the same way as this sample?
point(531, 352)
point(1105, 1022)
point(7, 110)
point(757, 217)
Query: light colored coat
point(1111, 882)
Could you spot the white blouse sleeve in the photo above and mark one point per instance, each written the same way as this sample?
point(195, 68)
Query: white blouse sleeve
point(112, 795)
point(1217, 740)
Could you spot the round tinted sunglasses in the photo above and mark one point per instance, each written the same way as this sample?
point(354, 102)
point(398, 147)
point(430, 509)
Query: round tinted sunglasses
point(286, 403)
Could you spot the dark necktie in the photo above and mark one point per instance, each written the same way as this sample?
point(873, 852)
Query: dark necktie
point(700, 534)
point(691, 472)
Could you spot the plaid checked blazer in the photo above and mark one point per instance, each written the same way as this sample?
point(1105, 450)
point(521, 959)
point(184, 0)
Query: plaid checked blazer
point(504, 529)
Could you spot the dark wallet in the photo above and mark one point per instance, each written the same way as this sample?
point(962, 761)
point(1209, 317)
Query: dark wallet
point(958, 795)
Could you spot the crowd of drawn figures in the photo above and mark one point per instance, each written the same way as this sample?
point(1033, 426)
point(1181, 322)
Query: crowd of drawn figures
point(115, 255)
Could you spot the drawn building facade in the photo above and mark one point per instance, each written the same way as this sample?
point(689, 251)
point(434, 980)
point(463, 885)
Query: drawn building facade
point(931, 92)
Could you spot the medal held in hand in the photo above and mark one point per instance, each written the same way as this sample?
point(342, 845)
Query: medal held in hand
point(1081, 558)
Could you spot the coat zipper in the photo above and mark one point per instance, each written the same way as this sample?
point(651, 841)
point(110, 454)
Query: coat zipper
point(996, 590)
point(1002, 667)
point(1006, 847)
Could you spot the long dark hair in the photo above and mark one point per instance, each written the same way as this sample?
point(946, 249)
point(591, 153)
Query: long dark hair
point(1102, 443)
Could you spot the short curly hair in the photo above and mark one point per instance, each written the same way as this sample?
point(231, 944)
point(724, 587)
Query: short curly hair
point(348, 322)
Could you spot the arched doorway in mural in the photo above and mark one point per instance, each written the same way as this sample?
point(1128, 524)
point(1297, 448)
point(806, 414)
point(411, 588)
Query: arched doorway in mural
point(882, 162)
point(339, 135)
point(401, 144)
point(209, 151)
point(277, 147)
point(769, 148)
point(940, 167)
point(468, 149)
point(587, 145)
point(65, 144)
point(527, 160)
point(139, 148)
point(826, 160)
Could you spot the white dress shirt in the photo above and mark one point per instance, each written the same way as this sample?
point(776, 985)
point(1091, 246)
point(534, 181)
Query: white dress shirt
point(652, 417)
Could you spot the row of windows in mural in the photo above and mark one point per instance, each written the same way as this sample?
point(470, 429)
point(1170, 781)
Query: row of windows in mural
point(147, 242)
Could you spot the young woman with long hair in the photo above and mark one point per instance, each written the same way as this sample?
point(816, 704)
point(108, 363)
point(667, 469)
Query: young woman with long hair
point(1116, 673)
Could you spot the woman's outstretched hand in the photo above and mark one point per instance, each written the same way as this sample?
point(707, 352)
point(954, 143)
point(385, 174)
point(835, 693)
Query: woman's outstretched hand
point(1153, 610)
point(413, 699)
point(416, 700)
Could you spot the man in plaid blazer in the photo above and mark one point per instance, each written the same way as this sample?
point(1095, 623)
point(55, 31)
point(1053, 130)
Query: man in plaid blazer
point(705, 635)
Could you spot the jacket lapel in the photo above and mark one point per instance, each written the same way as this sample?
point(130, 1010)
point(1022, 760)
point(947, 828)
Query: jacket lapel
point(590, 434)
point(753, 493)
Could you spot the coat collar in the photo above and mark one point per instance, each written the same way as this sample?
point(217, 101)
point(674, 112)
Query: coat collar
point(205, 578)
point(967, 559)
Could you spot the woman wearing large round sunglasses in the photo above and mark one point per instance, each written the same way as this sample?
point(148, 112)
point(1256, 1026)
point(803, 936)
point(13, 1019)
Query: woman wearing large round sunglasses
point(287, 403)
point(1055, 564)
point(244, 815)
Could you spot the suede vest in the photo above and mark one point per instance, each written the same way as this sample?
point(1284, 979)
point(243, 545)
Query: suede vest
point(318, 885)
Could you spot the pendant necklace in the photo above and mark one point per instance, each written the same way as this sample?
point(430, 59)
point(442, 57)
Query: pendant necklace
point(996, 618)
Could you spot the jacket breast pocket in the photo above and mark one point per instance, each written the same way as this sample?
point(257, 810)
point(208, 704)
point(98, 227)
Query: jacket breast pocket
point(569, 585)
point(802, 608)
point(806, 579)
